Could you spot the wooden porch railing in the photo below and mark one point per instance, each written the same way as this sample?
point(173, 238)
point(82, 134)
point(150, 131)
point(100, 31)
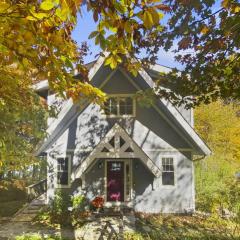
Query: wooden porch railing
point(36, 189)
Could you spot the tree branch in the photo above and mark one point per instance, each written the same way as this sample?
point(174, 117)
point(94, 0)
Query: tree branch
point(203, 19)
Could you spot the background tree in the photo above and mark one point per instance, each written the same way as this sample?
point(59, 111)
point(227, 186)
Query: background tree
point(22, 120)
point(204, 35)
point(218, 123)
point(36, 44)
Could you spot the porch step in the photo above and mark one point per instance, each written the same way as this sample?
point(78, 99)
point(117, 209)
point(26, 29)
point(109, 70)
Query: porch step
point(118, 209)
point(29, 212)
point(129, 223)
point(34, 207)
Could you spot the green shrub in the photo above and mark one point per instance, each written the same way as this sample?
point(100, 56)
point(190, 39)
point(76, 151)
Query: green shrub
point(79, 212)
point(36, 236)
point(29, 237)
point(59, 208)
point(79, 202)
point(133, 236)
point(61, 202)
point(65, 210)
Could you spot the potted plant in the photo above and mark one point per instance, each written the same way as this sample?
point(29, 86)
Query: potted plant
point(98, 203)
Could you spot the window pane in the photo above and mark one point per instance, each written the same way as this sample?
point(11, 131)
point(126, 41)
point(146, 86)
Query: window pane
point(164, 161)
point(110, 107)
point(116, 166)
point(113, 106)
point(106, 107)
point(168, 171)
point(62, 178)
point(126, 106)
point(62, 164)
point(129, 110)
point(171, 168)
point(168, 178)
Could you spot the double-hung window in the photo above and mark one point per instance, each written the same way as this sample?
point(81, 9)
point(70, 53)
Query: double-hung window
point(120, 106)
point(63, 169)
point(168, 171)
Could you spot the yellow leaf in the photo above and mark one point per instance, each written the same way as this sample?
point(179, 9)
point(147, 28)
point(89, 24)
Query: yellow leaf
point(225, 3)
point(205, 30)
point(3, 6)
point(25, 62)
point(39, 15)
point(237, 9)
point(155, 15)
point(113, 29)
point(47, 5)
point(147, 19)
point(111, 61)
point(128, 27)
point(31, 18)
point(62, 13)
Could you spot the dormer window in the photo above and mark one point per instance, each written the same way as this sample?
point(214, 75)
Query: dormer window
point(120, 106)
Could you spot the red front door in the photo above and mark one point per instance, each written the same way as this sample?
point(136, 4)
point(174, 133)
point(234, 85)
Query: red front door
point(115, 181)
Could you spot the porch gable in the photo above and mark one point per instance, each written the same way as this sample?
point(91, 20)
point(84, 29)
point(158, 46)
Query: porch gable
point(117, 144)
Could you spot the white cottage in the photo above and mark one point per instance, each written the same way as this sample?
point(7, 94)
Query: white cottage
point(135, 156)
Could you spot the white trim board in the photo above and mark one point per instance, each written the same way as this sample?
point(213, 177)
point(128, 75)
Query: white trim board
point(79, 150)
point(117, 152)
point(40, 86)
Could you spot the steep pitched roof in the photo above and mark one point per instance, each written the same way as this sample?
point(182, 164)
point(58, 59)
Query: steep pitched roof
point(70, 109)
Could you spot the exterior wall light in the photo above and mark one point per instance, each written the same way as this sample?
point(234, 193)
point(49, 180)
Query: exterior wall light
point(100, 165)
point(136, 165)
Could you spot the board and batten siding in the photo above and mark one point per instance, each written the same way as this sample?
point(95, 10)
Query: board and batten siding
point(151, 130)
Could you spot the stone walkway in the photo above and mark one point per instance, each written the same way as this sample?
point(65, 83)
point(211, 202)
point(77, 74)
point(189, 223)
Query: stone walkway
point(28, 213)
point(99, 229)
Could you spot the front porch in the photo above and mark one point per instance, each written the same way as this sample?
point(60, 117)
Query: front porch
point(118, 181)
point(117, 170)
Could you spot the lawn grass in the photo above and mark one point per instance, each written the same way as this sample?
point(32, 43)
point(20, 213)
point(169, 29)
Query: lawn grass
point(12, 197)
point(170, 227)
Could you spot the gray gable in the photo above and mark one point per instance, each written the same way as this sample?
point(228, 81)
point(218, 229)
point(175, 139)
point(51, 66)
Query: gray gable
point(158, 120)
point(149, 129)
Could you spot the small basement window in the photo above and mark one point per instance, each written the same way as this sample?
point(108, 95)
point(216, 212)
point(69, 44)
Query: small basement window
point(63, 167)
point(168, 171)
point(120, 107)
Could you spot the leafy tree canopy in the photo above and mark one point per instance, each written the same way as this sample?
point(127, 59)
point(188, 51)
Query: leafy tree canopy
point(36, 43)
point(207, 36)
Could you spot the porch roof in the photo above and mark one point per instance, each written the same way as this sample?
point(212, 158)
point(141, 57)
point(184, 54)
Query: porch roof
point(117, 144)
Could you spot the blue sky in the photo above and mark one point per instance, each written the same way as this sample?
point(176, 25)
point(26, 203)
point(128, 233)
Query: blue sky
point(86, 25)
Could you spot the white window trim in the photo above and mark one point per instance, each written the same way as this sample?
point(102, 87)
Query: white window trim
point(69, 171)
point(175, 172)
point(117, 96)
